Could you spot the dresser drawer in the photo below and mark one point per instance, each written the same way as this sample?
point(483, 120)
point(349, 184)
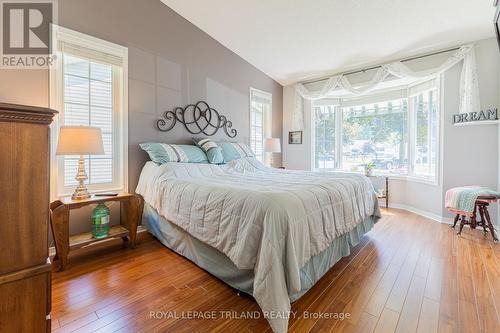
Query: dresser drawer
point(24, 189)
point(25, 300)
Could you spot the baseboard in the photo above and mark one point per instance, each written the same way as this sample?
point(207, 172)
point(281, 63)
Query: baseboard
point(429, 215)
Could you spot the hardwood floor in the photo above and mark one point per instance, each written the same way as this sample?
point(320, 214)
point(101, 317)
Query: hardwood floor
point(409, 274)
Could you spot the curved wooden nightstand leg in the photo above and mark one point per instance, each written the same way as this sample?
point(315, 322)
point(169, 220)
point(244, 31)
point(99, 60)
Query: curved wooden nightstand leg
point(59, 222)
point(125, 243)
point(131, 214)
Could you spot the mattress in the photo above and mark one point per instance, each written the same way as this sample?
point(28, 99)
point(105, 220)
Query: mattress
point(269, 221)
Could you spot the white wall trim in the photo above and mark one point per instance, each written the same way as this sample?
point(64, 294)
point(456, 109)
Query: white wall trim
point(429, 215)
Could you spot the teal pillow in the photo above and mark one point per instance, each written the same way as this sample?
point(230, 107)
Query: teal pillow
point(214, 152)
point(235, 150)
point(163, 153)
point(215, 156)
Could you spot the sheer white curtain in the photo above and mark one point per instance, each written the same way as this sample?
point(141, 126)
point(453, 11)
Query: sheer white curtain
point(469, 87)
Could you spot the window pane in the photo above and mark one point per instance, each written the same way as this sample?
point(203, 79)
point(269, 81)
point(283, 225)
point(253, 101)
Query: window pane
point(88, 101)
point(260, 107)
point(101, 72)
point(101, 94)
point(376, 133)
point(102, 117)
point(324, 150)
point(76, 114)
point(426, 131)
point(76, 66)
point(101, 170)
point(76, 90)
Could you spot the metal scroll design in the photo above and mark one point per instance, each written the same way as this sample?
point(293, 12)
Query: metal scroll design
point(197, 118)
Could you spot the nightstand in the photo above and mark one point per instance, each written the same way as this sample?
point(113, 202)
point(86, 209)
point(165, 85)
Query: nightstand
point(384, 185)
point(130, 214)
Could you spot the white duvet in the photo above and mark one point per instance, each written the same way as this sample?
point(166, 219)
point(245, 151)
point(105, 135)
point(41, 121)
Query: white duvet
point(269, 220)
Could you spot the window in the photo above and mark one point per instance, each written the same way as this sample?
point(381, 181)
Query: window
point(375, 132)
point(398, 131)
point(324, 136)
point(88, 87)
point(426, 133)
point(260, 121)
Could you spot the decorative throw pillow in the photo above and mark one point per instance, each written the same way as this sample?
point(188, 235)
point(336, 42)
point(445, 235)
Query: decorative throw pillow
point(235, 150)
point(163, 153)
point(214, 152)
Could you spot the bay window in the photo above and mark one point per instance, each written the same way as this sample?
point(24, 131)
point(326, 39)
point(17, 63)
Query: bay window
point(396, 131)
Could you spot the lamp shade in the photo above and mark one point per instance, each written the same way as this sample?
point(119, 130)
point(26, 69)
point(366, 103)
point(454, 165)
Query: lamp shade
point(79, 140)
point(272, 145)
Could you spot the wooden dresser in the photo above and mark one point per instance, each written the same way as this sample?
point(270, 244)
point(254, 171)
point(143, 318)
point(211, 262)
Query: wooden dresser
point(24, 218)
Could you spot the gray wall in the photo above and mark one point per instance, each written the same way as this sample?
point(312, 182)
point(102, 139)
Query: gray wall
point(171, 63)
point(30, 87)
point(471, 152)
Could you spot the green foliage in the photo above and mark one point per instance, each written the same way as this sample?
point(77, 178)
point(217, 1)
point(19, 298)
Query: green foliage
point(376, 131)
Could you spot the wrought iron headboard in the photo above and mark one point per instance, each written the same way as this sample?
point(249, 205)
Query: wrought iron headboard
point(197, 118)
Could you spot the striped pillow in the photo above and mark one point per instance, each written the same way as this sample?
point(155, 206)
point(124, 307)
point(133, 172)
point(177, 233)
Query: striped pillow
point(163, 153)
point(235, 150)
point(206, 144)
point(214, 152)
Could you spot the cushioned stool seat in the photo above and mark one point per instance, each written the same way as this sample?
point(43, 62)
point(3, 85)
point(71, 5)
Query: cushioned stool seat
point(481, 207)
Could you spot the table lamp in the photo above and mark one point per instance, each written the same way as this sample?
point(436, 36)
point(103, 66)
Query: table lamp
point(80, 140)
point(272, 145)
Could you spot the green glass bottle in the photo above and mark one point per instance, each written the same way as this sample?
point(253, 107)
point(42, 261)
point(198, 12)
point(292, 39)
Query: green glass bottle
point(100, 221)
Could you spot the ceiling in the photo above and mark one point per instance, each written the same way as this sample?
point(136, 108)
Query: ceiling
point(294, 40)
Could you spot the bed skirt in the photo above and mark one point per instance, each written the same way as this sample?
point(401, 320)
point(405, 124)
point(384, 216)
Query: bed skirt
point(219, 265)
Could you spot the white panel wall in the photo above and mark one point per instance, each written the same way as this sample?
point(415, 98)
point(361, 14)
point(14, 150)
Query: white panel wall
point(296, 156)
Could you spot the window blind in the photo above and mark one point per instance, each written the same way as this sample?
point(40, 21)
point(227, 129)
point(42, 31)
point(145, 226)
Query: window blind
point(260, 113)
point(88, 101)
point(95, 55)
point(257, 130)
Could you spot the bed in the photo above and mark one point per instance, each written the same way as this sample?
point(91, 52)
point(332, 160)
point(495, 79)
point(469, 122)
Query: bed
point(267, 232)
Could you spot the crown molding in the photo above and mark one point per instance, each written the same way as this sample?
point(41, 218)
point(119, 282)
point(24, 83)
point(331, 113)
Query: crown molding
point(26, 114)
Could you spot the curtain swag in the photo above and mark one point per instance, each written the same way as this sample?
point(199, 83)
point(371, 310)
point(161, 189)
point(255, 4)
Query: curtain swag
point(468, 93)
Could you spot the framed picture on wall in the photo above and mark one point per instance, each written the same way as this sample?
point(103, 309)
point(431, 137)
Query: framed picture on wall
point(496, 22)
point(295, 137)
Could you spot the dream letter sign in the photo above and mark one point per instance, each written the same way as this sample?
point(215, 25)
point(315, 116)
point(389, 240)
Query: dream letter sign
point(475, 116)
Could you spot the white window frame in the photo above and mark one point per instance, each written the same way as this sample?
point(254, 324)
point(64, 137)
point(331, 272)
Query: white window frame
point(266, 120)
point(338, 104)
point(338, 127)
point(412, 139)
point(120, 110)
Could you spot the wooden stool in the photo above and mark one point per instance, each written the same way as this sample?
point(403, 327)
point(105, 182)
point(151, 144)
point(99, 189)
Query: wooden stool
point(481, 206)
